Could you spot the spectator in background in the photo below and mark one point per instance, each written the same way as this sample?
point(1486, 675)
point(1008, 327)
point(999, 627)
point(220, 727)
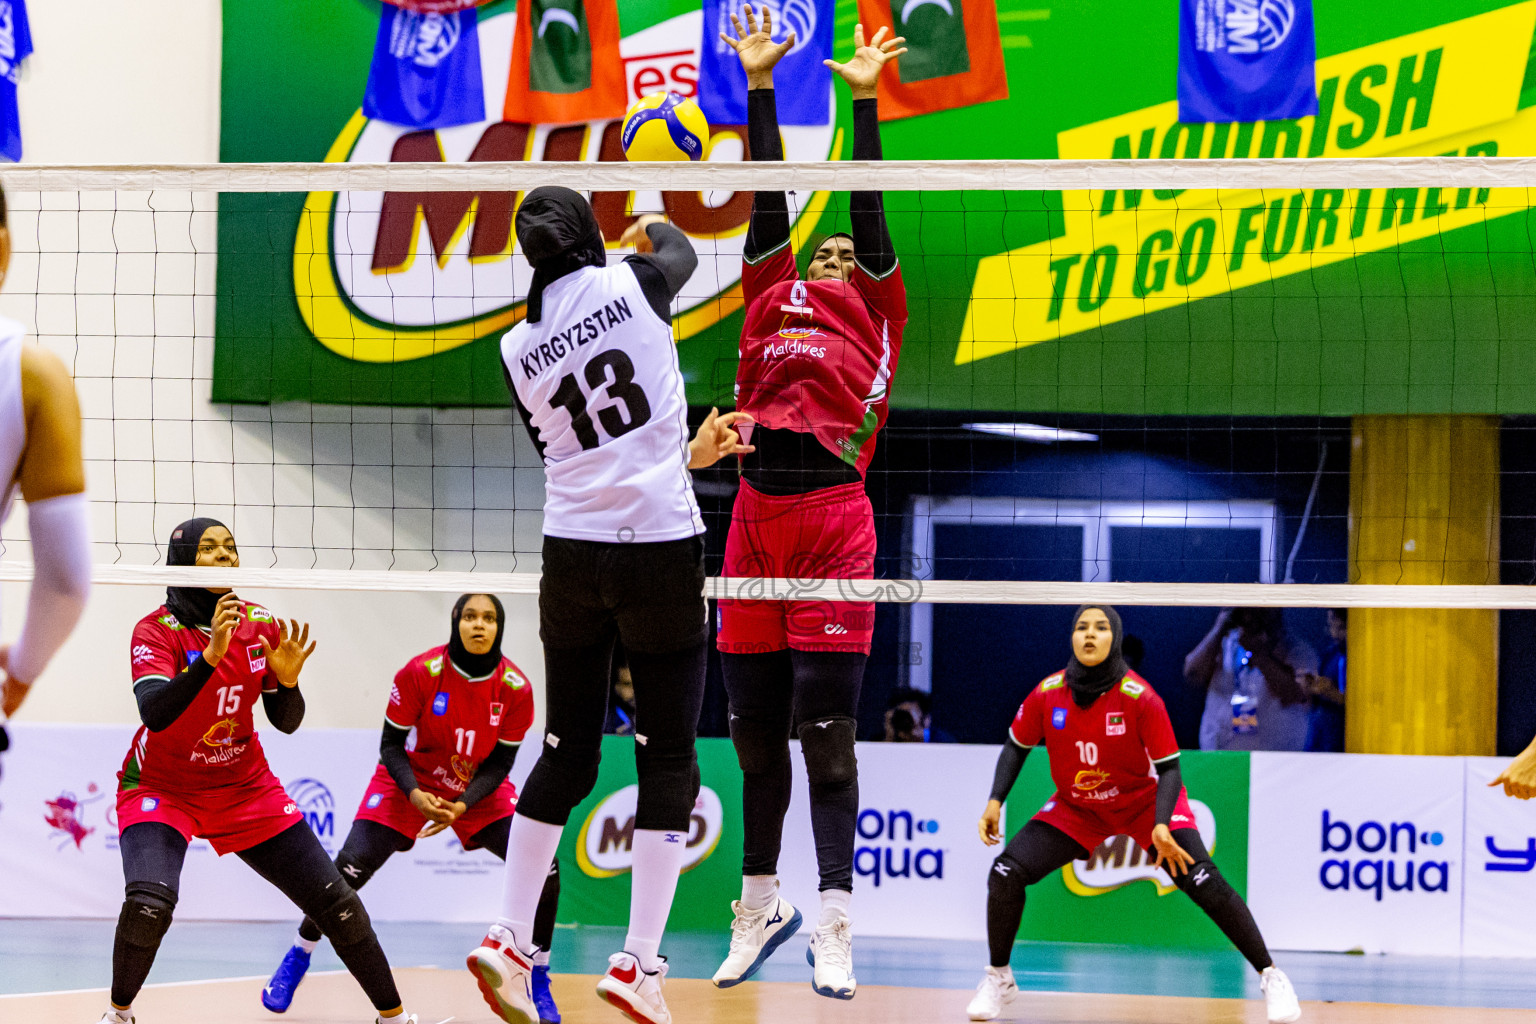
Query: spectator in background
point(906, 716)
point(1252, 672)
point(1325, 725)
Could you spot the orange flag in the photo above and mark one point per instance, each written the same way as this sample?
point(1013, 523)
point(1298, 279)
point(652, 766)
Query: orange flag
point(954, 56)
point(565, 62)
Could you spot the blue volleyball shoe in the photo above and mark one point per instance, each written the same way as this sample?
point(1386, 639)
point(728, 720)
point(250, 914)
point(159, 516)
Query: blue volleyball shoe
point(543, 998)
point(278, 995)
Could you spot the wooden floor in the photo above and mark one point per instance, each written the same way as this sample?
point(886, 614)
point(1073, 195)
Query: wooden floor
point(438, 995)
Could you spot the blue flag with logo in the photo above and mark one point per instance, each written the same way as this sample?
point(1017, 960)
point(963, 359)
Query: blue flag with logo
point(1246, 60)
point(723, 85)
point(426, 70)
point(15, 45)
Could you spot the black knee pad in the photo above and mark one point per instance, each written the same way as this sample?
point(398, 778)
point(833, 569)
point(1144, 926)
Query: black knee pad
point(353, 869)
point(669, 784)
point(827, 745)
point(146, 915)
point(760, 747)
point(559, 781)
point(345, 921)
point(1206, 885)
point(1007, 880)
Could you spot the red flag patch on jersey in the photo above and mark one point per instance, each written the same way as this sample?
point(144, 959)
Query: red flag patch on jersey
point(1114, 724)
point(496, 710)
point(258, 656)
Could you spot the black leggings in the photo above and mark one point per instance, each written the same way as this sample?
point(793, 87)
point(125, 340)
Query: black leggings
point(651, 596)
point(293, 860)
point(815, 696)
point(369, 844)
point(1038, 849)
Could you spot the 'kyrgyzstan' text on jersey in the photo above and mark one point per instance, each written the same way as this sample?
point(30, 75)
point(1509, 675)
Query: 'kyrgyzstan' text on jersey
point(598, 382)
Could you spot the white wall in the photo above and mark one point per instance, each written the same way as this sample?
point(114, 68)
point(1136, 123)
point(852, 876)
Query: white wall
point(121, 285)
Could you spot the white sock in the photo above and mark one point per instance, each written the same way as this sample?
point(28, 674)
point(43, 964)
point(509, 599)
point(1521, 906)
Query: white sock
point(124, 1015)
point(1006, 973)
point(541, 958)
point(658, 862)
point(757, 891)
point(835, 903)
point(530, 847)
point(306, 945)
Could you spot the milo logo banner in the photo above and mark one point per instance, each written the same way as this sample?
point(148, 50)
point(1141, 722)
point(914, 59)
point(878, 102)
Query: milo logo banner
point(1328, 301)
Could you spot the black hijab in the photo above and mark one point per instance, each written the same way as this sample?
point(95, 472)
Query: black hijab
point(559, 234)
point(192, 606)
point(1088, 682)
point(475, 665)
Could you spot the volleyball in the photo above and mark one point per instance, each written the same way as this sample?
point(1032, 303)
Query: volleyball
point(665, 126)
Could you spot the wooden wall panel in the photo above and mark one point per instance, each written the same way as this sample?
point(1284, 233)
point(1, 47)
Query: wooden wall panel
point(1424, 508)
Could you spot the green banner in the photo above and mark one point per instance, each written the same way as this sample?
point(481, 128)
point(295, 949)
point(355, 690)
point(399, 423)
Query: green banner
point(595, 849)
point(1316, 301)
point(1115, 897)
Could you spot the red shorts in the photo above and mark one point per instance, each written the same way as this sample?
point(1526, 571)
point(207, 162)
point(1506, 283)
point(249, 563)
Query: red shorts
point(1090, 828)
point(825, 534)
point(385, 804)
point(232, 818)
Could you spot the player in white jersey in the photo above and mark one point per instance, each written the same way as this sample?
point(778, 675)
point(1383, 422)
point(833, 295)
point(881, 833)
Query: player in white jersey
point(40, 455)
point(595, 376)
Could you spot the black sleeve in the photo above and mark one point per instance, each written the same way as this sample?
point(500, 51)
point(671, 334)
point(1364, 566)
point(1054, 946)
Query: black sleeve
point(663, 272)
point(1169, 781)
point(161, 701)
point(392, 757)
point(1009, 763)
point(522, 411)
point(769, 227)
point(866, 210)
point(491, 773)
point(284, 707)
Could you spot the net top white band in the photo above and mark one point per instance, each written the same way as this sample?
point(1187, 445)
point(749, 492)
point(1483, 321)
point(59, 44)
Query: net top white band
point(889, 175)
point(899, 591)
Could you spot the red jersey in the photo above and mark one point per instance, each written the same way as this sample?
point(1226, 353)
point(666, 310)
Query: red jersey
point(818, 356)
point(213, 742)
point(458, 720)
point(1101, 756)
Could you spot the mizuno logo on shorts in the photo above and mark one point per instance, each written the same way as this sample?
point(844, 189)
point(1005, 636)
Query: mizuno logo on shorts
point(834, 629)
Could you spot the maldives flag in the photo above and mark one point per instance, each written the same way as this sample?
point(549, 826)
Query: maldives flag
point(954, 56)
point(565, 62)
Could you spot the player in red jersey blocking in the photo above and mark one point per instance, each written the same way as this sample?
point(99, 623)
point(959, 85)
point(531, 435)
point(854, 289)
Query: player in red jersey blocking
point(470, 707)
point(196, 768)
point(817, 357)
point(1116, 767)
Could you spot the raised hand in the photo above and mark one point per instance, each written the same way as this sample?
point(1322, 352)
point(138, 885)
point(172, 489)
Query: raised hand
point(226, 619)
point(755, 47)
point(863, 69)
point(286, 659)
point(634, 236)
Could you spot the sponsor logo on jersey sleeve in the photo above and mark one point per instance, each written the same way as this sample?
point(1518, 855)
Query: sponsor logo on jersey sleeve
point(193, 656)
point(394, 693)
point(256, 613)
point(515, 679)
point(1132, 689)
point(257, 656)
point(1059, 718)
point(142, 653)
point(435, 666)
point(440, 704)
point(1054, 682)
point(1114, 724)
point(169, 621)
point(374, 799)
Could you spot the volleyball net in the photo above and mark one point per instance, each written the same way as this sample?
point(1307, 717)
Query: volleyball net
point(1124, 380)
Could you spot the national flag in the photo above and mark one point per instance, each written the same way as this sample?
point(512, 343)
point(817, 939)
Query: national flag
point(426, 70)
point(565, 63)
point(436, 6)
point(15, 46)
point(954, 55)
point(723, 85)
point(1246, 60)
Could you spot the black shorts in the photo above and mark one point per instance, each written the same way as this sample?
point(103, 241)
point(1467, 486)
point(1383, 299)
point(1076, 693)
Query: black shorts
point(651, 594)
